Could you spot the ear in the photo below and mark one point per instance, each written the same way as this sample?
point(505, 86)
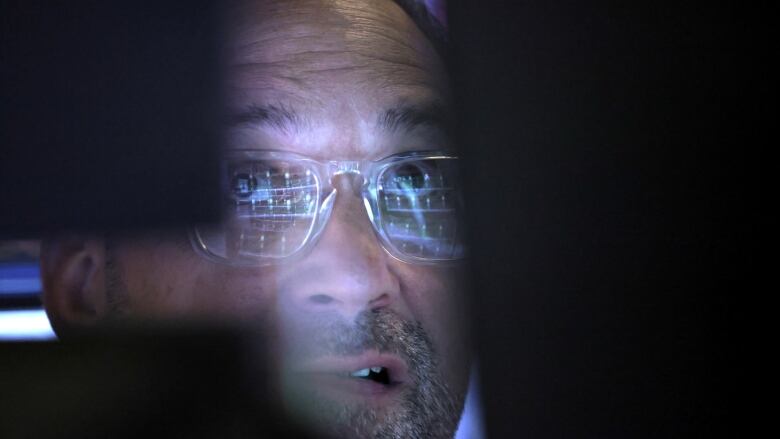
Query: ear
point(73, 277)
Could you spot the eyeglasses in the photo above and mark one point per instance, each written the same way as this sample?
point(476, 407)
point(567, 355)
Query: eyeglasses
point(278, 204)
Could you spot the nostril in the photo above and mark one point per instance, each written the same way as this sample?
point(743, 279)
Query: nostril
point(320, 299)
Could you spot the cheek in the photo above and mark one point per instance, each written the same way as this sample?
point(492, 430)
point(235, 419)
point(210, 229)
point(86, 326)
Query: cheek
point(166, 280)
point(436, 299)
point(248, 294)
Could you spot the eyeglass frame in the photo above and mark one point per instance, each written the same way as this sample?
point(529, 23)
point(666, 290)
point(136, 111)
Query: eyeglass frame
point(369, 170)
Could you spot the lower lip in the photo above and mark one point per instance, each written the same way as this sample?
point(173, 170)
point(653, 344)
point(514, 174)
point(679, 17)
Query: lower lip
point(351, 387)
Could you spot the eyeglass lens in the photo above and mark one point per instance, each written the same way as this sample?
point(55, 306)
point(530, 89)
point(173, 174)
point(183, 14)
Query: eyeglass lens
point(418, 207)
point(270, 213)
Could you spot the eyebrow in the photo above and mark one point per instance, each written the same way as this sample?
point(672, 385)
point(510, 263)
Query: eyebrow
point(275, 116)
point(408, 117)
point(402, 118)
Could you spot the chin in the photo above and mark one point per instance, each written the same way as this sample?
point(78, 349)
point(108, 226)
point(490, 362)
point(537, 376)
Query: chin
point(379, 379)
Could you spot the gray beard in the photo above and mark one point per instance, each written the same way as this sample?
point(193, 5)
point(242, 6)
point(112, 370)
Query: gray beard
point(429, 408)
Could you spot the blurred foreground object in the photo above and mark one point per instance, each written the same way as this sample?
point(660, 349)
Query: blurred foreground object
point(109, 114)
point(603, 152)
point(198, 382)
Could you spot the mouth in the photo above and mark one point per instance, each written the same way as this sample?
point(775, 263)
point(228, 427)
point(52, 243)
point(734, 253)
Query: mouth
point(370, 377)
point(377, 374)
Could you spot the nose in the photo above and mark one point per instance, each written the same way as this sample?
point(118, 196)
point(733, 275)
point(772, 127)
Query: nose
point(347, 271)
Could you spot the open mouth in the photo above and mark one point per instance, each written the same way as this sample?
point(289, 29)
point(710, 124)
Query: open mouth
point(370, 376)
point(377, 374)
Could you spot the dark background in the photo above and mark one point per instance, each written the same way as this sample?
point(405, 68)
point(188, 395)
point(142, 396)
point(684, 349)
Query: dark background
point(603, 168)
point(109, 114)
point(604, 160)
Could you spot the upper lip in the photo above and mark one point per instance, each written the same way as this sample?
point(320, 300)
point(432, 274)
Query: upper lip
point(346, 364)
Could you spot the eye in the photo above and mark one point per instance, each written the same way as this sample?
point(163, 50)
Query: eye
point(243, 184)
point(413, 176)
point(267, 182)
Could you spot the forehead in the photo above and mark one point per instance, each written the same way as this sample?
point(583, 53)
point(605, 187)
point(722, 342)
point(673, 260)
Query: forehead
point(330, 71)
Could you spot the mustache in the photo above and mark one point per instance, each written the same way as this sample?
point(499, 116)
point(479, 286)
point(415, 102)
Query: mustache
point(381, 330)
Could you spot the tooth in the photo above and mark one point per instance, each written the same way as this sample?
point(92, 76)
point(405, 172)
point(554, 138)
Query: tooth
point(360, 373)
point(376, 369)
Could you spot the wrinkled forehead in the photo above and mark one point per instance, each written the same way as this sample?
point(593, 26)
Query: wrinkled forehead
point(307, 42)
point(327, 55)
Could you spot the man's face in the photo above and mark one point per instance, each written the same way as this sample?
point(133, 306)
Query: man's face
point(318, 79)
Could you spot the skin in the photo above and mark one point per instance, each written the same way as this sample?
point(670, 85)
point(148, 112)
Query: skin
point(338, 65)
